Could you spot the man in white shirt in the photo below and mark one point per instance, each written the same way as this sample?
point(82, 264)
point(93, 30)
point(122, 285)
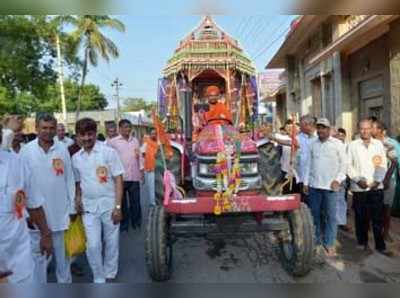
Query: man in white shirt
point(16, 261)
point(379, 133)
point(99, 184)
point(304, 140)
point(61, 137)
point(324, 172)
point(12, 124)
point(341, 210)
point(367, 170)
point(52, 177)
point(111, 131)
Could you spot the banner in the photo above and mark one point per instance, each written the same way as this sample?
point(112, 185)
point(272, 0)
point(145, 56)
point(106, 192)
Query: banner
point(163, 85)
point(254, 92)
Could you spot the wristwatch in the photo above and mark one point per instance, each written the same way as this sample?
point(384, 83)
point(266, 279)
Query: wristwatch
point(118, 207)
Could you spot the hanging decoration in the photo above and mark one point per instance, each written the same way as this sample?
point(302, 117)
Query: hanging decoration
point(227, 171)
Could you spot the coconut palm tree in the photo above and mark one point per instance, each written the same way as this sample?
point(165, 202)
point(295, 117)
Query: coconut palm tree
point(58, 35)
point(94, 43)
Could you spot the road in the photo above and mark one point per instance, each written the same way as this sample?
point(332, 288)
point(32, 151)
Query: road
point(249, 260)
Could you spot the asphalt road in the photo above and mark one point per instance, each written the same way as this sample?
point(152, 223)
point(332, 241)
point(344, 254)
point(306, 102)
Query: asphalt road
point(246, 260)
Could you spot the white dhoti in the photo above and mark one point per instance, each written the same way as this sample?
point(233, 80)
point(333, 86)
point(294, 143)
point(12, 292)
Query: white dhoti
point(15, 249)
point(41, 261)
point(63, 266)
point(341, 208)
point(100, 229)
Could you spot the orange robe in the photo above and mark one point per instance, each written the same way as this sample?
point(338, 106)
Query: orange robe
point(218, 113)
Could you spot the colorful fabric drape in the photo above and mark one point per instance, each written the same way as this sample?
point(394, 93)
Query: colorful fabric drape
point(253, 90)
point(162, 95)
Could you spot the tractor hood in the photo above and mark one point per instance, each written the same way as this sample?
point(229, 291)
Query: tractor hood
point(216, 138)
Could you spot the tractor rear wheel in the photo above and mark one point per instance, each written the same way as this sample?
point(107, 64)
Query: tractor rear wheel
point(174, 165)
point(270, 169)
point(158, 248)
point(297, 251)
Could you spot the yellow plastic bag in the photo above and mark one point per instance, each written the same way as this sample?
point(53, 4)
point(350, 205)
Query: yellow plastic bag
point(75, 238)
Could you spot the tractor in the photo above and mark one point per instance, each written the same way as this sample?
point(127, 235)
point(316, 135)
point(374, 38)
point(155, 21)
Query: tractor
point(226, 181)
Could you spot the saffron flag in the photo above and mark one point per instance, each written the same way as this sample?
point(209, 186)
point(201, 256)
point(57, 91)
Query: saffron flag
point(162, 136)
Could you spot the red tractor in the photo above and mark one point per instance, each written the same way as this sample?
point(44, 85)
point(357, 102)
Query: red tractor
point(211, 203)
point(225, 180)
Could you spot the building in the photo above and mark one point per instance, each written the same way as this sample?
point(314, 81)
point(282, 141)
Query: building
point(272, 93)
point(343, 67)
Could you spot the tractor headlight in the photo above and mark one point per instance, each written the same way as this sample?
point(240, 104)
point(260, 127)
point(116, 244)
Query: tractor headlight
point(206, 169)
point(249, 168)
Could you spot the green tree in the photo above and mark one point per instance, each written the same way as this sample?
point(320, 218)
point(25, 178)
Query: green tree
point(26, 58)
point(91, 98)
point(94, 43)
point(132, 104)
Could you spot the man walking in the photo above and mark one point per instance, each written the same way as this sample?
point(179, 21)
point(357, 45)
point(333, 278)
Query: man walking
point(61, 137)
point(52, 177)
point(324, 172)
point(128, 150)
point(111, 131)
point(99, 184)
point(16, 261)
point(341, 208)
point(367, 170)
point(389, 183)
point(149, 151)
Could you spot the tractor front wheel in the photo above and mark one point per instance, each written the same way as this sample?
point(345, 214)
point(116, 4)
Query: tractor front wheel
point(158, 247)
point(296, 250)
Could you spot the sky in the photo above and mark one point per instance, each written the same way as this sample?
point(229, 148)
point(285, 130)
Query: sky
point(149, 41)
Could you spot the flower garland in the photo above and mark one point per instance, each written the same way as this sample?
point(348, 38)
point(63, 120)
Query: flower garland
point(227, 179)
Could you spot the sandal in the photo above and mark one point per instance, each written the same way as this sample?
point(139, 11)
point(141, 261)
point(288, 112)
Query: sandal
point(330, 252)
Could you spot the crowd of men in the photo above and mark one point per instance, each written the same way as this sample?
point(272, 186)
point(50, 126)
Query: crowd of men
point(48, 179)
point(327, 170)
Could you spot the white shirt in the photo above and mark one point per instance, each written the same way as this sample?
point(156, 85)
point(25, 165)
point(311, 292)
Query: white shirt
point(303, 152)
point(361, 163)
point(327, 162)
point(286, 151)
point(66, 141)
point(98, 191)
point(14, 237)
point(56, 186)
point(15, 176)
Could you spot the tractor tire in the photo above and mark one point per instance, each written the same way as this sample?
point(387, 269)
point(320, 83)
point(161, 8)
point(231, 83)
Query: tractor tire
point(297, 253)
point(158, 249)
point(174, 165)
point(270, 169)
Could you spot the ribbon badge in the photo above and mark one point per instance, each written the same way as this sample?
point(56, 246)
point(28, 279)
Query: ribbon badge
point(102, 174)
point(58, 166)
point(20, 203)
point(377, 161)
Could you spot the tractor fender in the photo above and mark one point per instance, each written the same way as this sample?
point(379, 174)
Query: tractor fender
point(262, 142)
point(178, 147)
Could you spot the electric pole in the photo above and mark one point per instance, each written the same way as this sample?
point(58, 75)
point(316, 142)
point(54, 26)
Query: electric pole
point(116, 84)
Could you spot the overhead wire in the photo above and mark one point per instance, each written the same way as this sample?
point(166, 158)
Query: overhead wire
point(253, 42)
point(270, 44)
